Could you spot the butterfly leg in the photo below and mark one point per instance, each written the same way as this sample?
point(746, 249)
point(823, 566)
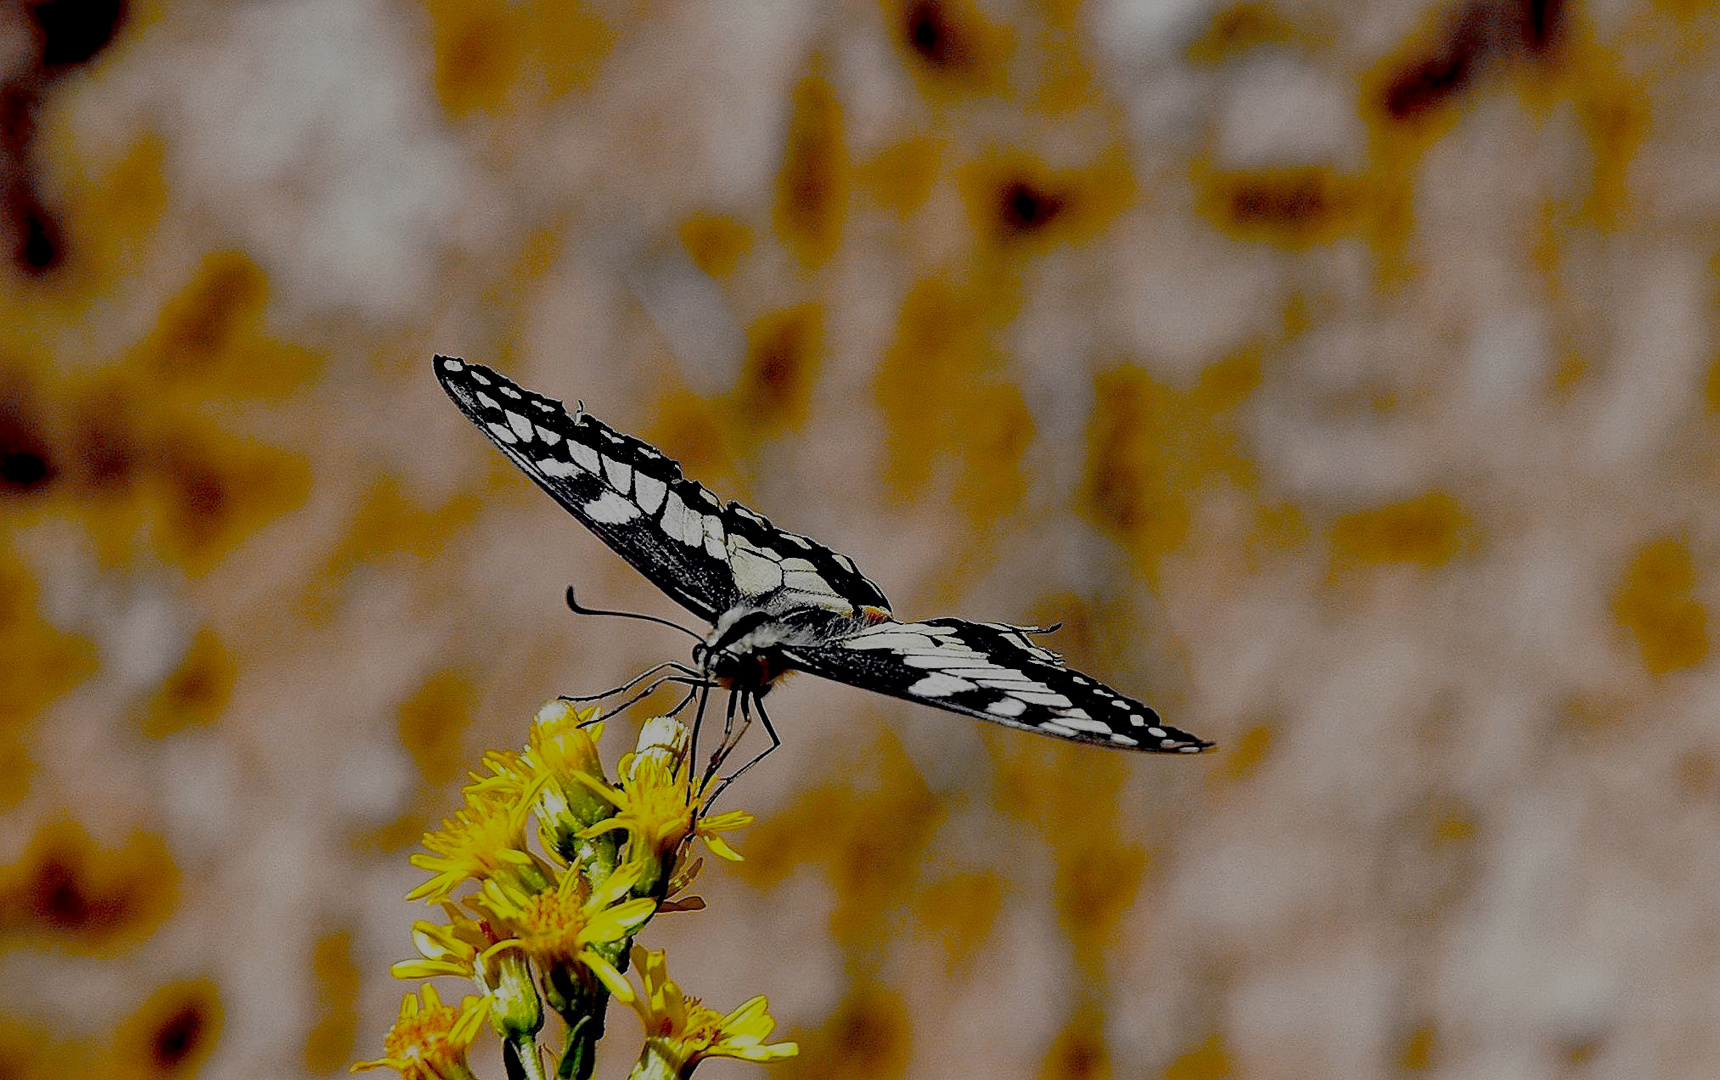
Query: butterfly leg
point(704, 692)
point(672, 665)
point(775, 741)
point(721, 753)
point(648, 691)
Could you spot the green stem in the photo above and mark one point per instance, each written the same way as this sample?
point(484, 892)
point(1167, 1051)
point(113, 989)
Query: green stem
point(520, 1057)
point(581, 1002)
point(583, 1032)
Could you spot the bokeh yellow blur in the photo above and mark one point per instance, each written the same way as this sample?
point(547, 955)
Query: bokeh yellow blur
point(1343, 376)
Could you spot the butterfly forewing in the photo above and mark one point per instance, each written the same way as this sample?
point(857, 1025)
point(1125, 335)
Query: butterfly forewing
point(994, 672)
point(635, 499)
point(707, 555)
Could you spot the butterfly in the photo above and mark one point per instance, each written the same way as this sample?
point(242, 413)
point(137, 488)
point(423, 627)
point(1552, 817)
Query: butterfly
point(779, 602)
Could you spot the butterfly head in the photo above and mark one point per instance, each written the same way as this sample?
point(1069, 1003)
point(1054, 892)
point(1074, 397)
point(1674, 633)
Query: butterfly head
point(741, 652)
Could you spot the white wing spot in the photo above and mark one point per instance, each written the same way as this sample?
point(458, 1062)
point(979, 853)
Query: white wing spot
point(486, 400)
point(897, 639)
point(1084, 723)
point(510, 391)
point(741, 543)
point(619, 475)
point(1136, 719)
point(1119, 703)
point(1006, 707)
point(754, 575)
point(1156, 732)
point(940, 685)
point(808, 581)
point(1057, 729)
point(501, 432)
point(1123, 740)
point(549, 437)
point(584, 456)
point(947, 659)
point(522, 427)
point(682, 523)
point(1005, 679)
point(1034, 697)
point(649, 491)
point(556, 467)
point(451, 364)
point(611, 509)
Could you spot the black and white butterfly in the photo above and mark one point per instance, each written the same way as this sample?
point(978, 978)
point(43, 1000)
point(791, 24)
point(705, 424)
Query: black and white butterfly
point(779, 602)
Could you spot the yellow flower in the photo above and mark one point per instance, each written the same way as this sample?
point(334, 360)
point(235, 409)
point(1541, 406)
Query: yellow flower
point(680, 1031)
point(486, 840)
point(554, 773)
point(563, 748)
point(429, 1040)
point(446, 950)
point(468, 948)
point(658, 808)
point(564, 925)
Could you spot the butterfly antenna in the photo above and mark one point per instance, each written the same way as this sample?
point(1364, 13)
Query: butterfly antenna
point(577, 608)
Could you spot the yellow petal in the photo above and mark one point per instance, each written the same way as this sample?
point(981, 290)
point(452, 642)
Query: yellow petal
point(720, 848)
point(428, 969)
point(727, 821)
point(609, 976)
point(773, 1052)
point(746, 1018)
point(617, 922)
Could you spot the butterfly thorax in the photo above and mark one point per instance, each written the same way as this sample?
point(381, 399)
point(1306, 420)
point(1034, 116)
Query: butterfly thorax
point(745, 649)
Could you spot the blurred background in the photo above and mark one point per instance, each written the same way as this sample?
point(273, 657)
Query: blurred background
point(1342, 375)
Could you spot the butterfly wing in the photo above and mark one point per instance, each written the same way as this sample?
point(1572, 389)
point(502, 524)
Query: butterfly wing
point(993, 672)
point(669, 528)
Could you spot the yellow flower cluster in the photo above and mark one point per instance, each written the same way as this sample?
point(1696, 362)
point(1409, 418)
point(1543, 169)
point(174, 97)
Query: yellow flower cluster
point(547, 915)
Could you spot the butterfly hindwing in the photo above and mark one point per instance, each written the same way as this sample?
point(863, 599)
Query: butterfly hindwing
point(671, 529)
point(993, 672)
